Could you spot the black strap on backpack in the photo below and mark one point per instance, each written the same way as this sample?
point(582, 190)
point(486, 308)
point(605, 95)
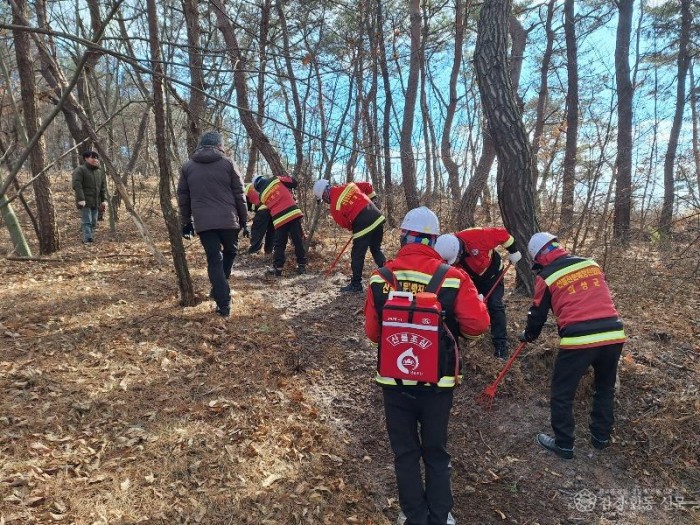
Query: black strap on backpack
point(433, 285)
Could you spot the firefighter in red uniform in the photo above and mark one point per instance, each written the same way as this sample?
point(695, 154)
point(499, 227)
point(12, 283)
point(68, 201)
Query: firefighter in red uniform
point(262, 228)
point(591, 335)
point(352, 207)
point(473, 251)
point(275, 193)
point(417, 414)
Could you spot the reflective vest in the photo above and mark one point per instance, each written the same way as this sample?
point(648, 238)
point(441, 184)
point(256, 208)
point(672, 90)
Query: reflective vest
point(348, 202)
point(577, 293)
point(253, 198)
point(279, 199)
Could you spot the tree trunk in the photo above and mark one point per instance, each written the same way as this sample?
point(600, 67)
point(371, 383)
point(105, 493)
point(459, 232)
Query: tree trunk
point(566, 220)
point(386, 122)
point(49, 238)
point(625, 95)
point(408, 163)
point(514, 176)
point(694, 117)
point(450, 164)
point(253, 153)
point(297, 127)
point(683, 61)
point(195, 107)
point(239, 65)
point(184, 281)
point(544, 90)
point(477, 185)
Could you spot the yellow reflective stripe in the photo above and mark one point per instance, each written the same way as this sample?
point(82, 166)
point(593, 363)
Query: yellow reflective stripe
point(286, 216)
point(369, 228)
point(569, 269)
point(450, 282)
point(508, 242)
point(410, 275)
point(444, 382)
point(261, 206)
point(376, 279)
point(604, 337)
point(372, 195)
point(347, 190)
point(267, 190)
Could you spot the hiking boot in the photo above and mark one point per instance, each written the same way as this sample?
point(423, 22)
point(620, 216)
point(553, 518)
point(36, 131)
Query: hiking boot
point(223, 311)
point(548, 442)
point(599, 444)
point(301, 269)
point(352, 288)
point(275, 272)
point(500, 351)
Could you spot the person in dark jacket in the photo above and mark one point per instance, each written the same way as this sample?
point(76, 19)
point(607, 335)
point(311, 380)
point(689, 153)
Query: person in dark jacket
point(90, 187)
point(212, 204)
point(591, 332)
point(353, 208)
point(417, 414)
point(276, 194)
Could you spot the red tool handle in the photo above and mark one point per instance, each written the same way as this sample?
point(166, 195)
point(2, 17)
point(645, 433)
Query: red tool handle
point(330, 269)
point(508, 364)
point(500, 278)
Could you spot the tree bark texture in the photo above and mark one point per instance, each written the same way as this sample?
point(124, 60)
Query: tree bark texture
point(625, 95)
point(514, 176)
point(182, 272)
point(683, 62)
point(466, 211)
point(408, 163)
point(49, 238)
point(572, 100)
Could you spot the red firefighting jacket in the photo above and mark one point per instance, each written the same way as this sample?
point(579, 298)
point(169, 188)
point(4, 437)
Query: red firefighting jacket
point(353, 210)
point(252, 197)
point(479, 244)
point(276, 195)
point(367, 189)
point(413, 267)
point(576, 291)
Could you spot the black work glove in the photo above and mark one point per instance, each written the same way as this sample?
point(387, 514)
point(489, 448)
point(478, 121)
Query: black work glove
point(246, 231)
point(188, 230)
point(525, 338)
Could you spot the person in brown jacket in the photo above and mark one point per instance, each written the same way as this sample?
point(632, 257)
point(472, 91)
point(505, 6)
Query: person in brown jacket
point(212, 204)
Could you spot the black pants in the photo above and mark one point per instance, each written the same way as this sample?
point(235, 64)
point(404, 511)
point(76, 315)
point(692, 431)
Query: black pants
point(262, 229)
point(417, 426)
point(495, 305)
point(221, 247)
point(291, 230)
point(568, 370)
point(371, 241)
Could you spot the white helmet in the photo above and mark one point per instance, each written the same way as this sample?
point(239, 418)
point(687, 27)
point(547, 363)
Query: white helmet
point(448, 246)
point(421, 220)
point(320, 186)
point(539, 241)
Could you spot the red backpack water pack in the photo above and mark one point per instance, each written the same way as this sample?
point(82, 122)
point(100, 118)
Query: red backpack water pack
point(412, 332)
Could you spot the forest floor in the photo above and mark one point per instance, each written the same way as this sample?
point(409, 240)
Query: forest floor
point(119, 406)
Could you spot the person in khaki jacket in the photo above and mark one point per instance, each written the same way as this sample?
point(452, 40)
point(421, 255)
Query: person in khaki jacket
point(90, 187)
